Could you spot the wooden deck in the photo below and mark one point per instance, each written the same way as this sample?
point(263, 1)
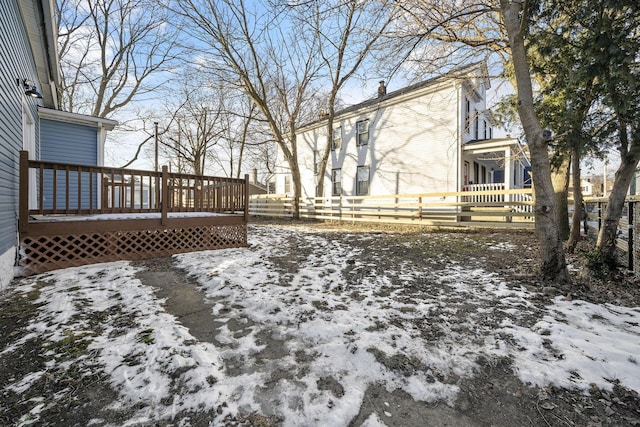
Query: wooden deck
point(73, 215)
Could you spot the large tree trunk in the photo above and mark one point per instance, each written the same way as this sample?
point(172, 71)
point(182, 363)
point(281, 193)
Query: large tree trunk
point(560, 181)
point(327, 150)
point(609, 229)
point(553, 265)
point(578, 208)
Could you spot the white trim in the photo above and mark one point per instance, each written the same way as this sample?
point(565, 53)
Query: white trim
point(29, 143)
point(81, 119)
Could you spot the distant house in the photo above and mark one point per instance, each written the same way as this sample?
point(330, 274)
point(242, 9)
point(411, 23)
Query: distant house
point(29, 113)
point(433, 136)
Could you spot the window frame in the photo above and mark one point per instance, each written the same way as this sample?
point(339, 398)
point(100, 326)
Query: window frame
point(359, 191)
point(467, 116)
point(287, 184)
point(317, 160)
point(360, 133)
point(476, 127)
point(336, 143)
point(336, 191)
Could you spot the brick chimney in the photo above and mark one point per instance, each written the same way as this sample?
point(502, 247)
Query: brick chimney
point(382, 89)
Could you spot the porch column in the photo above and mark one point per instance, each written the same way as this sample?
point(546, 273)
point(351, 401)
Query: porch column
point(508, 170)
point(508, 173)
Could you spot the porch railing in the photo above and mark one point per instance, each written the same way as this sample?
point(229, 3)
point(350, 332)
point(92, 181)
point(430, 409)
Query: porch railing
point(52, 188)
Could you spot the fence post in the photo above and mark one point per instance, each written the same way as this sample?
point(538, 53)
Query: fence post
point(165, 195)
point(23, 209)
point(420, 207)
point(246, 197)
point(599, 216)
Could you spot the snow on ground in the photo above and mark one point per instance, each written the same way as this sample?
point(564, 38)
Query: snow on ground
point(303, 336)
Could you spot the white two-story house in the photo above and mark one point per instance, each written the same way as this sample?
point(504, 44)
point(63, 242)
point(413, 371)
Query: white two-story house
point(431, 137)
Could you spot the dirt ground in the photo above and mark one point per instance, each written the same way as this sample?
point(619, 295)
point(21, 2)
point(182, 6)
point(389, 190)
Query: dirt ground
point(494, 396)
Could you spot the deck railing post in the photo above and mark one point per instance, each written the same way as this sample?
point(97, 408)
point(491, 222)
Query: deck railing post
point(23, 209)
point(246, 197)
point(164, 201)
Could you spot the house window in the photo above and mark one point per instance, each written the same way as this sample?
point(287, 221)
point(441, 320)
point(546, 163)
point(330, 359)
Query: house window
point(362, 131)
point(362, 181)
point(486, 130)
point(336, 139)
point(476, 173)
point(476, 127)
point(484, 175)
point(271, 187)
point(336, 182)
point(467, 115)
point(316, 162)
point(490, 132)
point(287, 184)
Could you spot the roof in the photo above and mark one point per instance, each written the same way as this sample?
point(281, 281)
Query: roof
point(456, 73)
point(81, 119)
point(38, 18)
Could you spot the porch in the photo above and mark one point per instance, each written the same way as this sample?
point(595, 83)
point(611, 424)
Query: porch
point(494, 165)
point(73, 215)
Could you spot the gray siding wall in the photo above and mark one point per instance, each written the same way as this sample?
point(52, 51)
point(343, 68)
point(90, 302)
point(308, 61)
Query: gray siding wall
point(16, 62)
point(68, 143)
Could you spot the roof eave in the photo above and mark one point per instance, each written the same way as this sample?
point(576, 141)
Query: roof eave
point(39, 20)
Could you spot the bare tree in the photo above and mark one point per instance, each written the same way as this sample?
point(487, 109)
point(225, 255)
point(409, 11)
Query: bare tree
point(112, 52)
point(273, 67)
point(515, 20)
point(496, 28)
point(349, 32)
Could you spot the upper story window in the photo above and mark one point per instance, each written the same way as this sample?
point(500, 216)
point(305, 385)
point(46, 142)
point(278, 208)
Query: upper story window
point(362, 132)
point(336, 138)
point(467, 115)
point(317, 159)
point(476, 127)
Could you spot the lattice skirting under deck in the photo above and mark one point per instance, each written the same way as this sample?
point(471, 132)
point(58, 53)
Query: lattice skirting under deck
point(45, 253)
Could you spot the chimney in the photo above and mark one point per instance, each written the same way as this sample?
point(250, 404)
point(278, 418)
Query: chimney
point(382, 89)
point(255, 175)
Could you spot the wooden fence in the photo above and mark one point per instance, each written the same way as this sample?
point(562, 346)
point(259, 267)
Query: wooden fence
point(625, 242)
point(489, 208)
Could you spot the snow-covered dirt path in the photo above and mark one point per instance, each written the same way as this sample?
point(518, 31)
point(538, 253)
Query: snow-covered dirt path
point(328, 329)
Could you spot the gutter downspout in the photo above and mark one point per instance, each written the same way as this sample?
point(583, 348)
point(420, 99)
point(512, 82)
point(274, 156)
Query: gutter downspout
point(49, 33)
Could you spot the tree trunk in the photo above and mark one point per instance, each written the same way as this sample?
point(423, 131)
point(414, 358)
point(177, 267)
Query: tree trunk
point(326, 152)
point(553, 265)
point(608, 232)
point(295, 170)
point(560, 180)
point(578, 207)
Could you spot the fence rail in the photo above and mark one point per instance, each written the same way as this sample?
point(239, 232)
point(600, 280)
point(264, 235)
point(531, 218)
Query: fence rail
point(487, 208)
point(52, 188)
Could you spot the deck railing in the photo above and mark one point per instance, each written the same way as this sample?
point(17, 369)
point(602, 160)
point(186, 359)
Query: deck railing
point(52, 188)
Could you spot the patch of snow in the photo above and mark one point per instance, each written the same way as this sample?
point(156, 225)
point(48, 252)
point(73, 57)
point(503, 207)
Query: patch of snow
point(7, 260)
point(288, 326)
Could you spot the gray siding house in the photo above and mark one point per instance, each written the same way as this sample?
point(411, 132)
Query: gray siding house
point(29, 116)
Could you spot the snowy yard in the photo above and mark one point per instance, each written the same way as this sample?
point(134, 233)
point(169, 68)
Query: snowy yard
point(326, 328)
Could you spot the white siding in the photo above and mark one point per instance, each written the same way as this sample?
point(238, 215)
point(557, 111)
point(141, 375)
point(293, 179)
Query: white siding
point(412, 147)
